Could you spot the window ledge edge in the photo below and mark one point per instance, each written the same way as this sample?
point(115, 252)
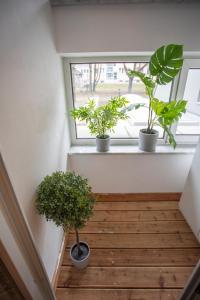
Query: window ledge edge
point(133, 149)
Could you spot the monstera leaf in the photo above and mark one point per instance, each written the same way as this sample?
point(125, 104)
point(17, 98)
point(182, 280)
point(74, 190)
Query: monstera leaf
point(168, 113)
point(148, 82)
point(166, 62)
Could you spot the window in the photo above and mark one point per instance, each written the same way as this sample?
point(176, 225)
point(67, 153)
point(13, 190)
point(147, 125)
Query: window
point(188, 128)
point(108, 76)
point(109, 69)
point(105, 78)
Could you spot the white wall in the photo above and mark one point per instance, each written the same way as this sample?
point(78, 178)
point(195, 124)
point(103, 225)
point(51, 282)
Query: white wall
point(133, 173)
point(33, 133)
point(190, 200)
point(119, 28)
point(9, 242)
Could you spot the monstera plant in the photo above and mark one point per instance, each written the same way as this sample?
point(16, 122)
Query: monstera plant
point(164, 66)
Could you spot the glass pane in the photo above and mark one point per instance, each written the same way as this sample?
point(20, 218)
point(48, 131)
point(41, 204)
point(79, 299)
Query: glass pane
point(101, 81)
point(190, 121)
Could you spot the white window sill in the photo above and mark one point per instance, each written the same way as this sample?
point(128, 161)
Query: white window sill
point(133, 149)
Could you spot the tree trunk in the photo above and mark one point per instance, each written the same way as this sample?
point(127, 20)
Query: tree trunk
point(94, 78)
point(136, 67)
point(78, 243)
point(130, 84)
point(90, 77)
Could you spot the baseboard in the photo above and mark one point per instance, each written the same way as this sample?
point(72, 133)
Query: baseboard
point(59, 262)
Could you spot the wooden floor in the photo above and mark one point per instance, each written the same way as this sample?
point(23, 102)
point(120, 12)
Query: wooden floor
point(141, 249)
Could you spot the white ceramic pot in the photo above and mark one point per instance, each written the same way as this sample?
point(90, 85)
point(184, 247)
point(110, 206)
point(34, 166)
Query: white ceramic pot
point(148, 141)
point(103, 144)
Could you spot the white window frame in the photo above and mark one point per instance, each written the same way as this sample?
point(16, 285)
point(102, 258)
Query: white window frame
point(189, 63)
point(177, 91)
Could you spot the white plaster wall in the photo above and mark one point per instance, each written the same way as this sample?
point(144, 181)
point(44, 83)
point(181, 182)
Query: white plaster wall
point(108, 29)
point(190, 200)
point(9, 242)
point(121, 28)
point(33, 134)
point(133, 173)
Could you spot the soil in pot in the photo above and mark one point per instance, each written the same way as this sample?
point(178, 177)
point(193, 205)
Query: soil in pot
point(84, 251)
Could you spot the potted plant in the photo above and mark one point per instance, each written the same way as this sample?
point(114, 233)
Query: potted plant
point(65, 198)
point(102, 119)
point(164, 65)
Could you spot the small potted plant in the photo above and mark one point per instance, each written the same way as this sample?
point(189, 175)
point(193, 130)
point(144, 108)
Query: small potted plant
point(102, 119)
point(164, 65)
point(65, 198)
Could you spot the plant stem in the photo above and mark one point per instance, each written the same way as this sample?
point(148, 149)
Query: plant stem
point(149, 117)
point(78, 243)
point(149, 114)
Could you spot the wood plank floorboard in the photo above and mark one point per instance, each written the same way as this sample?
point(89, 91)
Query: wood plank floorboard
point(136, 227)
point(116, 294)
point(124, 277)
point(139, 197)
point(134, 240)
point(140, 257)
point(139, 216)
point(141, 249)
point(136, 205)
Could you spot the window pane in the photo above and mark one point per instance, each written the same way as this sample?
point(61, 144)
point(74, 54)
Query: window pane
point(101, 81)
point(190, 122)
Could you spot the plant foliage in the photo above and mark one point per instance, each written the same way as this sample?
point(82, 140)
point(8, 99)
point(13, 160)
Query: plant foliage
point(164, 65)
point(65, 199)
point(166, 62)
point(102, 120)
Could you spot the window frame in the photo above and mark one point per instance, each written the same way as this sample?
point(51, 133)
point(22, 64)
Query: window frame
point(177, 91)
point(189, 63)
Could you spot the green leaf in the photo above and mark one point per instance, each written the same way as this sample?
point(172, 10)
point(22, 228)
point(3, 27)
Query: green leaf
point(65, 198)
point(101, 120)
point(167, 114)
point(170, 135)
point(133, 106)
point(148, 82)
point(166, 62)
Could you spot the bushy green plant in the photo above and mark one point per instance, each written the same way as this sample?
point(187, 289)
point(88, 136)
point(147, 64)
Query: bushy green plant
point(164, 65)
point(65, 198)
point(102, 119)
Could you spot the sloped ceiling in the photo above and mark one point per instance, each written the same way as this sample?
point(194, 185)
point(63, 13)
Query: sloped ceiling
point(84, 2)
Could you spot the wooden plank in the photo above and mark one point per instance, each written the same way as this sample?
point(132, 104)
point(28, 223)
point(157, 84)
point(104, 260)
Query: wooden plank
point(136, 205)
point(138, 197)
point(117, 294)
point(168, 240)
point(136, 227)
point(140, 257)
point(110, 216)
point(126, 277)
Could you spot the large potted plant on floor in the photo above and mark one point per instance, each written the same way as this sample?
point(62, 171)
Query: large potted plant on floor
point(164, 65)
point(101, 120)
point(65, 198)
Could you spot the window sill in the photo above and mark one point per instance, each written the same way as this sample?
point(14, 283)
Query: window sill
point(133, 149)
